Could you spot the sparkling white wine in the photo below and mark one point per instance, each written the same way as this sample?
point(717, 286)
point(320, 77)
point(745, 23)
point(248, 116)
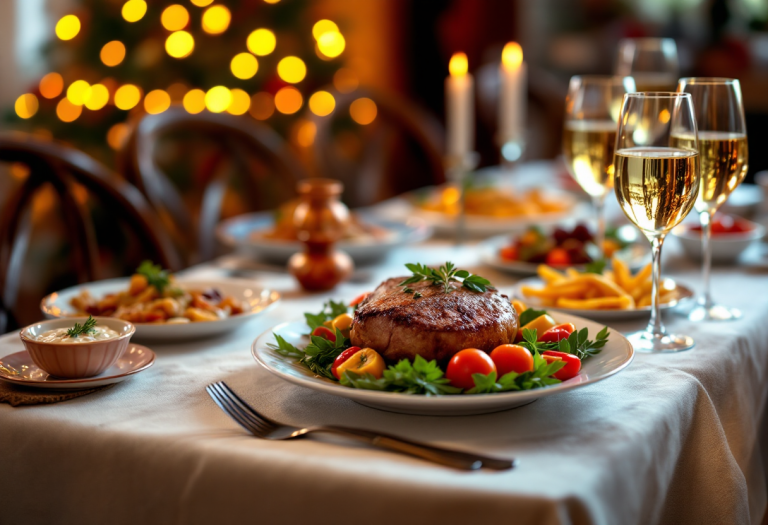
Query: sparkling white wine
point(723, 157)
point(656, 187)
point(589, 146)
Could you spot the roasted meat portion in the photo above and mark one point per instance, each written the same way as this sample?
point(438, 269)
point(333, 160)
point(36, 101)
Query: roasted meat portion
point(434, 326)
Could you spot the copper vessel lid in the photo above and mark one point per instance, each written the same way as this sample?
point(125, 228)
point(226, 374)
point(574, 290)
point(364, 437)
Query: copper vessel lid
point(320, 188)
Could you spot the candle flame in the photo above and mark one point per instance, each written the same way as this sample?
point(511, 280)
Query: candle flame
point(512, 55)
point(458, 65)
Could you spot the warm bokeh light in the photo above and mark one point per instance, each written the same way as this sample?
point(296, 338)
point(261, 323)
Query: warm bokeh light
point(331, 44)
point(179, 44)
point(96, 97)
point(292, 69)
point(345, 80)
point(305, 133)
point(177, 90)
point(288, 100)
point(512, 55)
point(77, 92)
point(271, 1)
point(174, 17)
point(113, 53)
point(262, 105)
point(218, 99)
point(67, 111)
point(117, 134)
point(323, 26)
point(363, 111)
point(19, 171)
point(244, 65)
point(261, 42)
point(241, 101)
point(157, 101)
point(51, 85)
point(216, 19)
point(458, 65)
point(127, 96)
point(26, 105)
point(322, 103)
point(202, 3)
point(68, 27)
point(194, 101)
point(134, 10)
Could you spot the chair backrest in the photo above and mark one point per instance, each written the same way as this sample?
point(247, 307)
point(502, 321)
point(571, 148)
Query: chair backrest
point(403, 151)
point(68, 170)
point(239, 139)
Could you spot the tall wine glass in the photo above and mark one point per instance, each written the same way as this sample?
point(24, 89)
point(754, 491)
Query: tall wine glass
point(589, 137)
point(652, 62)
point(656, 183)
point(723, 157)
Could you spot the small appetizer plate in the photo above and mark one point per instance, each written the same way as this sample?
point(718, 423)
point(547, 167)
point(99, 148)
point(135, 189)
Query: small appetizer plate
point(616, 355)
point(256, 300)
point(17, 367)
point(685, 294)
point(242, 233)
point(635, 255)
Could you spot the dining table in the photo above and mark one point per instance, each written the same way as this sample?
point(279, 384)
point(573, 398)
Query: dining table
point(672, 439)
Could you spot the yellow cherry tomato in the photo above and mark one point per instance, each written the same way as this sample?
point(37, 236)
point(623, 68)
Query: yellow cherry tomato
point(519, 306)
point(541, 324)
point(343, 323)
point(365, 361)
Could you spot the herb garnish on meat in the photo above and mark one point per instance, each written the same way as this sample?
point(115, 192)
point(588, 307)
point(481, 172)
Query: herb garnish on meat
point(445, 276)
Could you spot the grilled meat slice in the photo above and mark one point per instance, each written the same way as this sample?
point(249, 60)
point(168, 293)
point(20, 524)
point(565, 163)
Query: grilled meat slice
point(434, 326)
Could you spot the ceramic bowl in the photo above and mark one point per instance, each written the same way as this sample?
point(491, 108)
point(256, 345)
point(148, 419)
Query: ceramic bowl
point(726, 248)
point(76, 360)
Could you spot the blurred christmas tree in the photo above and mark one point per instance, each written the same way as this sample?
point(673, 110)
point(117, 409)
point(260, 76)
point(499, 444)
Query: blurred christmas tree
point(115, 59)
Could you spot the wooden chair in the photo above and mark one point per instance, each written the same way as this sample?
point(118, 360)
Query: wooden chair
point(254, 150)
point(402, 149)
point(69, 172)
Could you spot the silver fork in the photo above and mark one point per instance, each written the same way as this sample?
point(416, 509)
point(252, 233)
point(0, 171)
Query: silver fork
point(265, 428)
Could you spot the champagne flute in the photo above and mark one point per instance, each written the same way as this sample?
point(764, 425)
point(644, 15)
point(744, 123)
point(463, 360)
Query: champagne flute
point(656, 183)
point(589, 137)
point(723, 157)
point(651, 61)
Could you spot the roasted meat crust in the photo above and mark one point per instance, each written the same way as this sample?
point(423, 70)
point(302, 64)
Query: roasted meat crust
point(434, 326)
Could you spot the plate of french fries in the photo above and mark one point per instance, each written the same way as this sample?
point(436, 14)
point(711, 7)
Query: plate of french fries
point(615, 294)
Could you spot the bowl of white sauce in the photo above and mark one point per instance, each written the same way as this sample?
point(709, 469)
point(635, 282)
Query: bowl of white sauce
point(71, 349)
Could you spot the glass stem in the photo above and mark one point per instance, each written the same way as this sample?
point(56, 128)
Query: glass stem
point(706, 254)
point(599, 203)
point(655, 325)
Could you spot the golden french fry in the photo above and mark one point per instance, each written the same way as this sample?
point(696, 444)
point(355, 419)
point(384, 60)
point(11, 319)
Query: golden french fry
point(644, 301)
point(624, 302)
point(549, 275)
point(606, 287)
point(639, 277)
point(592, 292)
point(608, 274)
point(519, 306)
point(572, 272)
point(553, 291)
point(621, 273)
point(642, 289)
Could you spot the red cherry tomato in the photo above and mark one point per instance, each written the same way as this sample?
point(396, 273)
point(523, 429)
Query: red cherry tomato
point(558, 257)
point(346, 354)
point(359, 299)
point(572, 364)
point(556, 333)
point(512, 358)
point(508, 253)
point(465, 363)
point(325, 333)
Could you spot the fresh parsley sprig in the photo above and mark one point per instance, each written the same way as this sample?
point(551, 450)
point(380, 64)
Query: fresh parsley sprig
point(155, 275)
point(445, 276)
point(330, 311)
point(318, 355)
point(539, 377)
point(88, 327)
point(420, 377)
point(578, 343)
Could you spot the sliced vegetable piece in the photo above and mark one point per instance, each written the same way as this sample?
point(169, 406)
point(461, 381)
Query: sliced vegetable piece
point(365, 361)
point(465, 363)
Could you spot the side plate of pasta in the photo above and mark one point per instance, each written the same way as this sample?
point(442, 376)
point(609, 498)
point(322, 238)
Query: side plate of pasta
point(182, 310)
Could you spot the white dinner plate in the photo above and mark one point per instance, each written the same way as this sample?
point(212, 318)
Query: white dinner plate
point(255, 299)
point(635, 256)
point(598, 315)
point(238, 233)
point(616, 356)
point(17, 367)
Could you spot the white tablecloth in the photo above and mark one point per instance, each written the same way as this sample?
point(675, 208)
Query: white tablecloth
point(673, 439)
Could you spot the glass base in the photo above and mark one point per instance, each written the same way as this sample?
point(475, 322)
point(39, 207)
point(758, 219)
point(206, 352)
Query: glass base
point(647, 342)
point(713, 313)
